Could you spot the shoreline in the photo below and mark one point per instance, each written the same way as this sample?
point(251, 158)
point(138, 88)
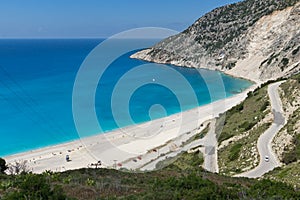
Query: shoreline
point(120, 145)
point(140, 56)
point(125, 127)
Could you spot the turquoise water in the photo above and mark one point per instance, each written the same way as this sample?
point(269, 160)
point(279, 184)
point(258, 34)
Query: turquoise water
point(36, 84)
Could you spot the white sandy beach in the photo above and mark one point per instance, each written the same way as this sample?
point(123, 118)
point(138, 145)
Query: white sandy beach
point(122, 146)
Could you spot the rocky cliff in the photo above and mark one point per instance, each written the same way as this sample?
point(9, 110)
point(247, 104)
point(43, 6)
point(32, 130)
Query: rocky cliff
point(254, 39)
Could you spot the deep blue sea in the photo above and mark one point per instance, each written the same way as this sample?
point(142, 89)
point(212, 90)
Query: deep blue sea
point(36, 85)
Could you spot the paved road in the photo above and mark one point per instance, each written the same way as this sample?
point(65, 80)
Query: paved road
point(265, 140)
point(210, 152)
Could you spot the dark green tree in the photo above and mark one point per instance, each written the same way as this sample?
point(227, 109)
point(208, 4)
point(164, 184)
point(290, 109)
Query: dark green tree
point(3, 166)
point(32, 186)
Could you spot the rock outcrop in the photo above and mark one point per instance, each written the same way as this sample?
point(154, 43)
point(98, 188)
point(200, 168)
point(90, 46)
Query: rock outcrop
point(254, 39)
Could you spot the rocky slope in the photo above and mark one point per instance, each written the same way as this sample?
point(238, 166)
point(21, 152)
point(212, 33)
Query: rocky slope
point(254, 39)
point(286, 143)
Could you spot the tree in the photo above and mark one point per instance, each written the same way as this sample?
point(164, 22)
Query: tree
point(3, 166)
point(18, 167)
point(33, 186)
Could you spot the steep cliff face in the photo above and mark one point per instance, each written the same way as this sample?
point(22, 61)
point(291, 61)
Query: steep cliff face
point(254, 39)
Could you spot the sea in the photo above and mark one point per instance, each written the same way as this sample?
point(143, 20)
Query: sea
point(37, 79)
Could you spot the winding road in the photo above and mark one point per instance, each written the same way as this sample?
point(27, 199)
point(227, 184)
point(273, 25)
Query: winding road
point(209, 142)
point(210, 149)
point(265, 140)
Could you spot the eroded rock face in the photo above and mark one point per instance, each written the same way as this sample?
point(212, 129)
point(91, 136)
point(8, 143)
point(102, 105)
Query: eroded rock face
point(254, 39)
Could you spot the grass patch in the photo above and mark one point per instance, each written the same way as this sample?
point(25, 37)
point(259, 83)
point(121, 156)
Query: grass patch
point(289, 174)
point(168, 183)
point(237, 156)
point(183, 161)
point(234, 152)
point(244, 116)
point(294, 154)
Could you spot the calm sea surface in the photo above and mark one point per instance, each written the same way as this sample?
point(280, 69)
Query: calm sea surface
point(36, 85)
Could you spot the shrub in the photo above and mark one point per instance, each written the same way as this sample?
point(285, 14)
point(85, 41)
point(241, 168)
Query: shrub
point(234, 152)
point(247, 125)
point(224, 136)
point(31, 186)
point(18, 167)
point(285, 61)
point(295, 51)
point(3, 166)
point(294, 154)
point(289, 157)
point(264, 106)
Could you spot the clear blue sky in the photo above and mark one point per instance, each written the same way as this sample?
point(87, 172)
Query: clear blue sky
point(96, 18)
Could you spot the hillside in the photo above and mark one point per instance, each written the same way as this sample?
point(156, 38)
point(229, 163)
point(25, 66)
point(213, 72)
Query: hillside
point(287, 143)
point(260, 37)
point(172, 182)
point(243, 124)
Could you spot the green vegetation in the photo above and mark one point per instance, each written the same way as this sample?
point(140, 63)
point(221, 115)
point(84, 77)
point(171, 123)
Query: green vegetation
point(223, 25)
point(244, 116)
point(30, 186)
point(272, 57)
point(242, 120)
point(169, 183)
point(290, 173)
point(284, 63)
point(293, 154)
point(240, 155)
point(184, 161)
point(295, 51)
point(234, 152)
point(265, 106)
point(230, 65)
point(3, 166)
point(290, 87)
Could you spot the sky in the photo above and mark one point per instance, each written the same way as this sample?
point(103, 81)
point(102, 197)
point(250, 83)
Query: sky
point(97, 18)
